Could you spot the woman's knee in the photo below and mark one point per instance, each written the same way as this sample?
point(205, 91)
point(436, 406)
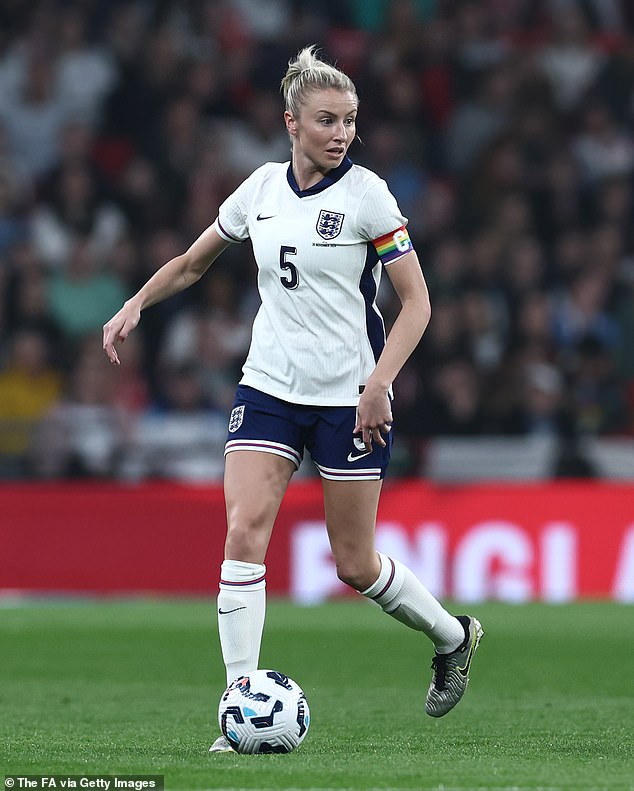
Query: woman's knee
point(357, 573)
point(248, 534)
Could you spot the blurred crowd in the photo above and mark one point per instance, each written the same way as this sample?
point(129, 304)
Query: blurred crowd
point(503, 127)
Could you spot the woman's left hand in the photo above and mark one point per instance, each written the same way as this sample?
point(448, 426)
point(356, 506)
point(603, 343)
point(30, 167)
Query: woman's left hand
point(374, 416)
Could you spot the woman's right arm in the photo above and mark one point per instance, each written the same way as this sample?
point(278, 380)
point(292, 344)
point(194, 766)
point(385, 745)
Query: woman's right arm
point(176, 275)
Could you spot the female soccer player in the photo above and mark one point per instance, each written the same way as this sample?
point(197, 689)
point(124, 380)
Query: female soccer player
point(319, 371)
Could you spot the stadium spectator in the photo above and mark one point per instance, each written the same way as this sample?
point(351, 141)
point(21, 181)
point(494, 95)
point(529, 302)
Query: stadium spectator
point(214, 335)
point(29, 388)
point(13, 222)
point(34, 116)
point(615, 82)
point(485, 327)
point(85, 434)
point(455, 404)
point(80, 295)
point(479, 119)
point(130, 387)
point(146, 205)
point(598, 402)
point(603, 149)
point(571, 60)
point(541, 402)
point(447, 267)
point(75, 208)
point(400, 160)
point(479, 45)
point(582, 312)
point(85, 71)
point(28, 305)
point(613, 203)
point(255, 138)
point(179, 435)
point(559, 202)
point(533, 322)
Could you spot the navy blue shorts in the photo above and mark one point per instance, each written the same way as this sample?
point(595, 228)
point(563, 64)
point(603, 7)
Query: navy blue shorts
point(264, 423)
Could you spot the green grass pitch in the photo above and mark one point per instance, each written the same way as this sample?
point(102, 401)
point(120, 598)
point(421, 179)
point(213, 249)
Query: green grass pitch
point(132, 687)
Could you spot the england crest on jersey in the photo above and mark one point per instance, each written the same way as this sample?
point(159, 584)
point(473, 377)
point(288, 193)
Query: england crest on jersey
point(236, 417)
point(329, 224)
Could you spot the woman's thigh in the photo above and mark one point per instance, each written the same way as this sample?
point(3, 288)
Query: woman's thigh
point(254, 485)
point(351, 508)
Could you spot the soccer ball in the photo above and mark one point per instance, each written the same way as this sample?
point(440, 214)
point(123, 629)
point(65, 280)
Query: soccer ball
point(264, 712)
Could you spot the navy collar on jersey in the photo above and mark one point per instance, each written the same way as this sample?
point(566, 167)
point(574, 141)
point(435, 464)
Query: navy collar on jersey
point(333, 176)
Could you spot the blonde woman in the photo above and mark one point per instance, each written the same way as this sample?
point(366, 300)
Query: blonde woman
point(319, 372)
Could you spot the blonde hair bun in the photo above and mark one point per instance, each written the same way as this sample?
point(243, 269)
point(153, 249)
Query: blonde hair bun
point(307, 73)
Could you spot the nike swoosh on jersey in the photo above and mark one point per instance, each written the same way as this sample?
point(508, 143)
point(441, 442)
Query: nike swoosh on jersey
point(359, 456)
point(464, 671)
point(226, 612)
point(264, 217)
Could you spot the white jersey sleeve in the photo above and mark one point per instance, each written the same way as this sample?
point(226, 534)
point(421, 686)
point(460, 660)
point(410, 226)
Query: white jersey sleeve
point(232, 223)
point(381, 222)
point(379, 212)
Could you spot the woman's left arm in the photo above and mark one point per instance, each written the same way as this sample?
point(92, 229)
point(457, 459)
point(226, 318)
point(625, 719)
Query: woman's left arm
point(374, 412)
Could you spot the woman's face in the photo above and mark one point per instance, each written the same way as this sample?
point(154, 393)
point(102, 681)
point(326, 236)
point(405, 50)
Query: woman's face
point(324, 129)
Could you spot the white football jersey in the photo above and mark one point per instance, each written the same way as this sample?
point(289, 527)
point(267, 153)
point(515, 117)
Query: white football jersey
point(318, 332)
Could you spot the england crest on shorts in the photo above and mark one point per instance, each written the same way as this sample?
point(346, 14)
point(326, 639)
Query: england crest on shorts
point(329, 224)
point(236, 417)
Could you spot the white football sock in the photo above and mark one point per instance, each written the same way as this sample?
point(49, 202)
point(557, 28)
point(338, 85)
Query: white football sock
point(241, 610)
point(401, 595)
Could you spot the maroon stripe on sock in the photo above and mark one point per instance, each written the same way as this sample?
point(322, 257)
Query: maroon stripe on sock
point(389, 582)
point(242, 584)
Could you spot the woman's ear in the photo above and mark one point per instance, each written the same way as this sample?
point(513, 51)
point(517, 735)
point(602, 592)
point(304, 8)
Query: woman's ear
point(291, 124)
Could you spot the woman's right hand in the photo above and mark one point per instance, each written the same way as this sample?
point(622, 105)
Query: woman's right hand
point(118, 329)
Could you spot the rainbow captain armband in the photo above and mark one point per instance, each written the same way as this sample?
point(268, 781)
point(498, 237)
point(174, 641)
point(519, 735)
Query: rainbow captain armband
point(393, 245)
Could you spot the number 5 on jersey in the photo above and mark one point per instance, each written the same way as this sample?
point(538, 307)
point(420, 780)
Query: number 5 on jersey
point(291, 280)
